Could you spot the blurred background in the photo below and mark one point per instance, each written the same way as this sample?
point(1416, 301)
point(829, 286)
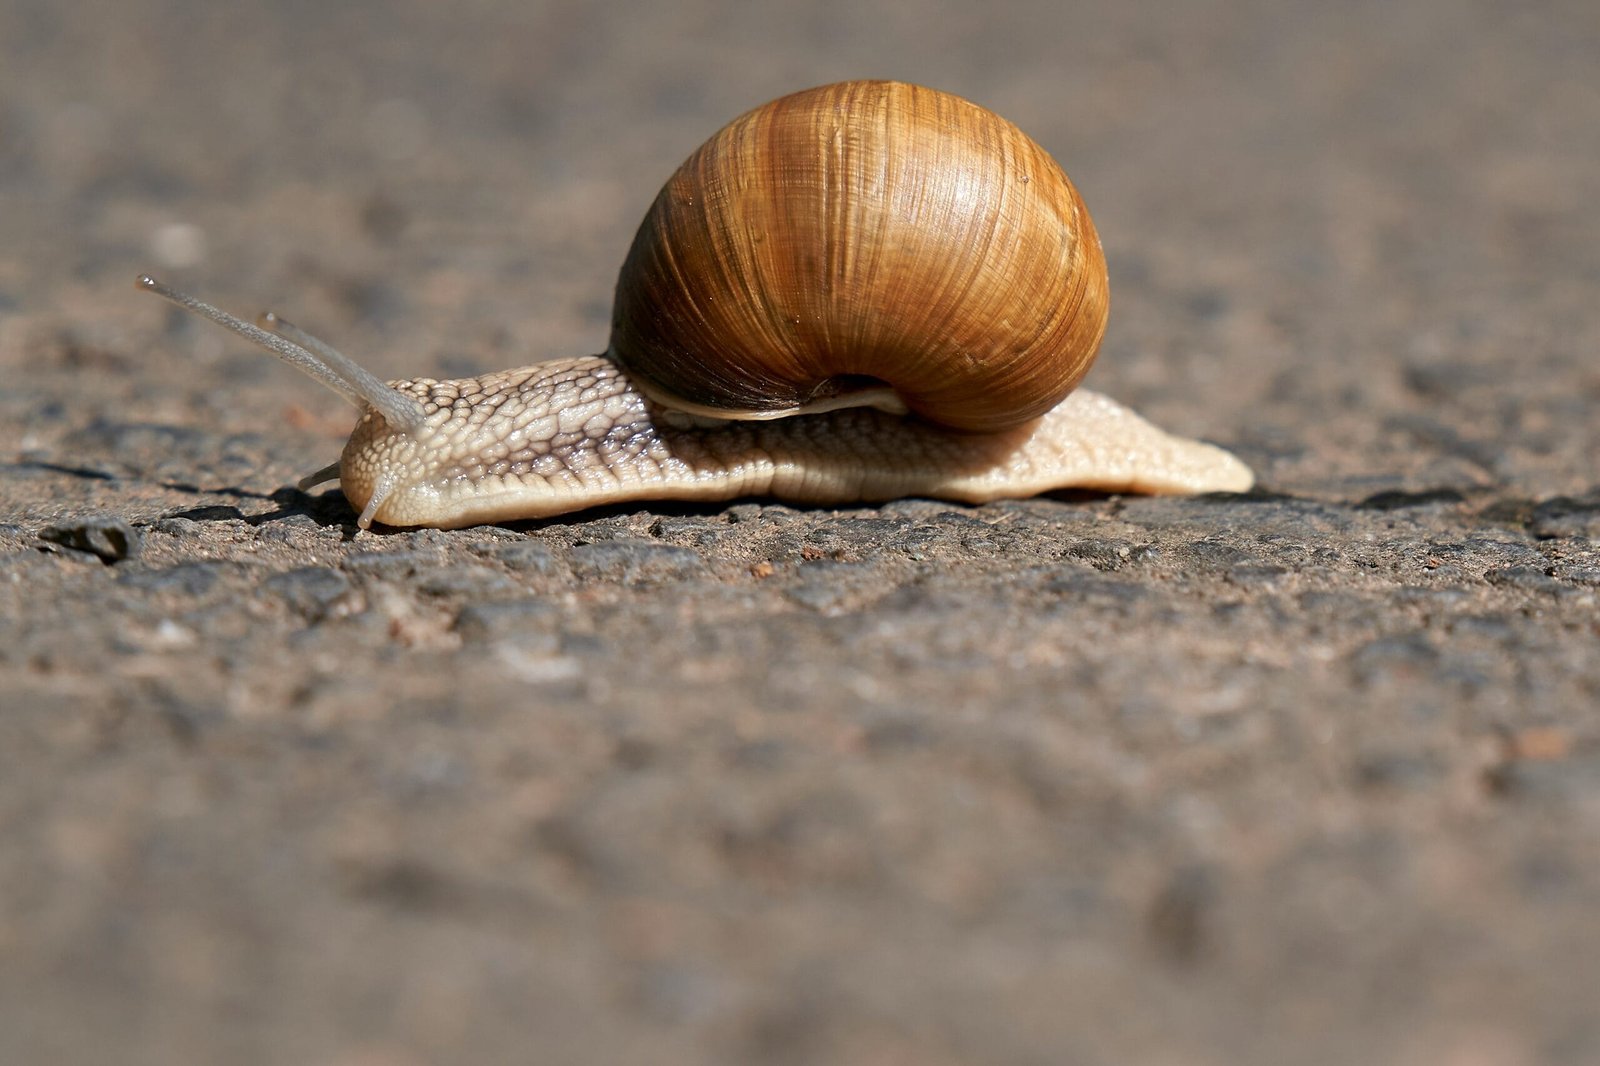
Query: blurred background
point(1357, 242)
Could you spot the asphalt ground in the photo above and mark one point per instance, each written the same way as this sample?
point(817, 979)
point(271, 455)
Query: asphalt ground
point(1310, 775)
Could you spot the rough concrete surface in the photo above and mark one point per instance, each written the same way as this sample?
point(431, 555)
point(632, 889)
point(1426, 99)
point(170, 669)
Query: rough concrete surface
point(1310, 775)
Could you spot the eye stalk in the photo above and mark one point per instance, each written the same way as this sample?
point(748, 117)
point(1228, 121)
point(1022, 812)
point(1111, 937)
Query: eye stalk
point(305, 353)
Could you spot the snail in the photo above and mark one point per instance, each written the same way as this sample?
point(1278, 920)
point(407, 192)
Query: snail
point(853, 293)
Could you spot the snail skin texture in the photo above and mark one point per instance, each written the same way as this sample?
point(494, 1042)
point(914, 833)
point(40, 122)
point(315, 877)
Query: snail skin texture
point(854, 293)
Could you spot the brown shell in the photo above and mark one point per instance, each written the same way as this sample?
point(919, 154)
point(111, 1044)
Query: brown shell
point(863, 233)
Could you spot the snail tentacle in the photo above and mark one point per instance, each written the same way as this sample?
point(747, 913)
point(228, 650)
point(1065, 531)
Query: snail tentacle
point(320, 477)
point(321, 361)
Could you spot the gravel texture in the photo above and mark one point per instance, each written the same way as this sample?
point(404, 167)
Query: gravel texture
point(1310, 775)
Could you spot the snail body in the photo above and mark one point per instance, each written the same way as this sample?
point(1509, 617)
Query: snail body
point(854, 293)
point(577, 433)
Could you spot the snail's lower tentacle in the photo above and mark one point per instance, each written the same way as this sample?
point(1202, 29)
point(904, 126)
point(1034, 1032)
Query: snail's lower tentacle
point(380, 493)
point(321, 477)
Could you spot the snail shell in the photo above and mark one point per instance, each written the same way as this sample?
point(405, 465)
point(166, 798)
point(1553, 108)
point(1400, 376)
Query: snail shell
point(862, 236)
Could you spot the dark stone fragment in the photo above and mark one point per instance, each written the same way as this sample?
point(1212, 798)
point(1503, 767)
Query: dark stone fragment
point(1218, 553)
point(530, 556)
point(1397, 770)
point(1091, 588)
point(1340, 602)
point(635, 753)
point(185, 579)
point(402, 882)
point(309, 590)
point(1555, 780)
point(703, 529)
point(923, 539)
point(765, 754)
point(1446, 379)
point(828, 586)
point(779, 514)
point(218, 513)
point(178, 527)
point(1257, 574)
point(961, 520)
point(290, 529)
point(1208, 304)
point(1501, 553)
point(107, 537)
point(480, 621)
point(467, 580)
point(390, 564)
point(1510, 510)
point(1493, 626)
point(1565, 516)
point(1102, 554)
point(166, 705)
point(1394, 655)
point(912, 507)
point(382, 218)
point(1522, 577)
point(1395, 500)
point(633, 560)
point(855, 538)
point(582, 645)
point(1549, 875)
point(897, 734)
point(1178, 921)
